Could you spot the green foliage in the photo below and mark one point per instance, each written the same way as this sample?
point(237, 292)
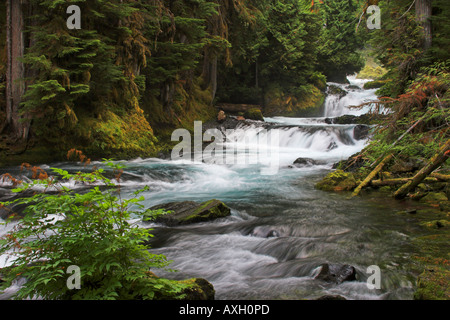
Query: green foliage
point(91, 230)
point(423, 110)
point(277, 47)
point(339, 43)
point(398, 45)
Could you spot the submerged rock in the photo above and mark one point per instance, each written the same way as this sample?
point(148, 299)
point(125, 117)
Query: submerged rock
point(187, 212)
point(336, 273)
point(265, 232)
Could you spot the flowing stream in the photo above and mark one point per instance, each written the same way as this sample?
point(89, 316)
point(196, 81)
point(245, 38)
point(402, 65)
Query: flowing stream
point(281, 228)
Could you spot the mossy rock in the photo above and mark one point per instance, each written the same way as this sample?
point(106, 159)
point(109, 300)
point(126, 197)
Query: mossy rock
point(337, 180)
point(335, 90)
point(195, 289)
point(254, 114)
point(188, 212)
point(198, 290)
point(434, 197)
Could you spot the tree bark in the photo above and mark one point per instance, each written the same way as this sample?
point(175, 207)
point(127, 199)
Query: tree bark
point(15, 86)
point(8, 62)
point(438, 159)
point(423, 14)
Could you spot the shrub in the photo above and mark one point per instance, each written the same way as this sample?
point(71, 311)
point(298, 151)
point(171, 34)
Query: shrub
point(91, 230)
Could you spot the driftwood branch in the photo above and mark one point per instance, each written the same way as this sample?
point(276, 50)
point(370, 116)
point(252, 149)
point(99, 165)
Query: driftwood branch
point(371, 175)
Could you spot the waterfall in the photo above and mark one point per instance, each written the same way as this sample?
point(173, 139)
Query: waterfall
point(308, 227)
point(352, 95)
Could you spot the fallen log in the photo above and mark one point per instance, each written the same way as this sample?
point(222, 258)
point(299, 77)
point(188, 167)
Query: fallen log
point(440, 176)
point(438, 159)
point(400, 181)
point(236, 108)
point(371, 175)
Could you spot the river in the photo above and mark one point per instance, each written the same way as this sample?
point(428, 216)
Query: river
point(281, 228)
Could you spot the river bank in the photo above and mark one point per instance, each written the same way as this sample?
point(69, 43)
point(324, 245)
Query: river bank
point(427, 206)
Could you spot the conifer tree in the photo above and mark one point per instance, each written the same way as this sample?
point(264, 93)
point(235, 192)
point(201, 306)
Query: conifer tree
point(339, 43)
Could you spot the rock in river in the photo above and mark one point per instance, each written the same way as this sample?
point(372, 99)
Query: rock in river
point(186, 212)
point(305, 162)
point(336, 273)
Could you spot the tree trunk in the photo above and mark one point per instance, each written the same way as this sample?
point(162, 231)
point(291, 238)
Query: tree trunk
point(8, 63)
point(423, 14)
point(209, 74)
point(438, 159)
point(15, 86)
point(213, 78)
point(256, 75)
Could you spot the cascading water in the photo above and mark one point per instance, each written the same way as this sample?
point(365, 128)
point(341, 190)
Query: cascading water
point(338, 104)
point(281, 228)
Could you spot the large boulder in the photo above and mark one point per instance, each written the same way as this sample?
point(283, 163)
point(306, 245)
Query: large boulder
point(336, 273)
point(187, 212)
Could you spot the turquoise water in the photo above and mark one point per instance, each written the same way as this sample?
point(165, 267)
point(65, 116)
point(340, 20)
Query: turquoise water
point(311, 227)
